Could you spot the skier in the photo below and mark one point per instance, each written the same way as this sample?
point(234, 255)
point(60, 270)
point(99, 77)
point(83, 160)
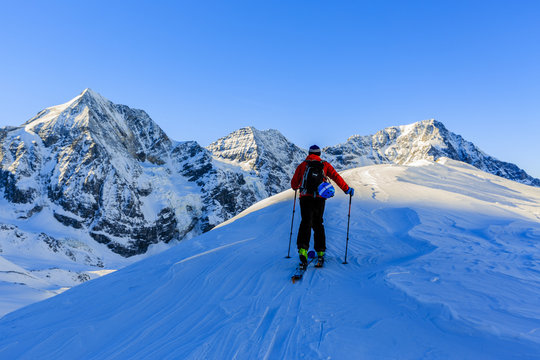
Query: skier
point(308, 176)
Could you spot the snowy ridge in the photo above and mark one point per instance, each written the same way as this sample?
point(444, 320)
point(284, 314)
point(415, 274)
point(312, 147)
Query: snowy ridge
point(428, 140)
point(442, 265)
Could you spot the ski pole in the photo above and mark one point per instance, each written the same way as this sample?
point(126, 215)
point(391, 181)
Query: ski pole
point(292, 221)
point(348, 222)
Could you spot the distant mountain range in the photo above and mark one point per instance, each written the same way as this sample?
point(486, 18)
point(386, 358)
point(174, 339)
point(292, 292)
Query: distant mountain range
point(90, 182)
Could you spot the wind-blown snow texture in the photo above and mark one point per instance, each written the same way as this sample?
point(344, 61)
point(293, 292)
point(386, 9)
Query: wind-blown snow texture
point(443, 264)
point(89, 185)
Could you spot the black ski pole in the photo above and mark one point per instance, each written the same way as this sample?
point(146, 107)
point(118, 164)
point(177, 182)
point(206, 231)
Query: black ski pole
point(292, 222)
point(348, 222)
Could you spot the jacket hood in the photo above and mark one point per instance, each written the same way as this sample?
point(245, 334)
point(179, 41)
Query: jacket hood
point(312, 157)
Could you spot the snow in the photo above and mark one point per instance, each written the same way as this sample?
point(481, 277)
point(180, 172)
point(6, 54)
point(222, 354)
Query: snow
point(19, 287)
point(444, 263)
point(42, 272)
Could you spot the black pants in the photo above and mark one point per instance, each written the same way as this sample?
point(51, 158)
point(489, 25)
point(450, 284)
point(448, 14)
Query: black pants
point(312, 210)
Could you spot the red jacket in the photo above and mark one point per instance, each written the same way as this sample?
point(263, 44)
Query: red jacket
point(328, 169)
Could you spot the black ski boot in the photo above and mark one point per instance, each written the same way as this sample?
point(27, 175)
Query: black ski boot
point(320, 259)
point(303, 255)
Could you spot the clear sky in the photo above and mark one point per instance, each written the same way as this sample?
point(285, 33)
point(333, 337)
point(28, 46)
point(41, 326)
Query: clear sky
point(318, 71)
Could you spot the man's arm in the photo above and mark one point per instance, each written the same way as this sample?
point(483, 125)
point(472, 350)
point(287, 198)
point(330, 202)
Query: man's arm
point(296, 180)
point(333, 174)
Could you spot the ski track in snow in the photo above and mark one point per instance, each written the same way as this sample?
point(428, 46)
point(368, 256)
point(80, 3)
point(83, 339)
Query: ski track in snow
point(213, 250)
point(423, 282)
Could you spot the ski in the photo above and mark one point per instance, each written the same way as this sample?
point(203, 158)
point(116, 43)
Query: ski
point(299, 272)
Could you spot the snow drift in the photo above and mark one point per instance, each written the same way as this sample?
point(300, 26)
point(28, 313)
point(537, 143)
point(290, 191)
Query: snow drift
point(443, 264)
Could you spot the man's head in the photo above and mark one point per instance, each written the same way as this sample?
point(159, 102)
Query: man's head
point(314, 149)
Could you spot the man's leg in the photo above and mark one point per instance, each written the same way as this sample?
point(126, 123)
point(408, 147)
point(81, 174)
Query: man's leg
point(304, 232)
point(317, 223)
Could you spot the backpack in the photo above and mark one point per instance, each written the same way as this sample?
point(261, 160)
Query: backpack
point(313, 176)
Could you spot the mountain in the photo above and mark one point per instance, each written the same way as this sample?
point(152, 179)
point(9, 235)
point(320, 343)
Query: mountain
point(267, 154)
point(112, 171)
point(442, 265)
point(429, 140)
point(86, 184)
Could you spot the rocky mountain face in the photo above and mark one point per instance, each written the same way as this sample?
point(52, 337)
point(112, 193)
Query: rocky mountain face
point(83, 161)
point(108, 177)
point(266, 154)
point(105, 174)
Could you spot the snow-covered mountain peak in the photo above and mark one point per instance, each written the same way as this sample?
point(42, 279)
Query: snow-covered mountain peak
point(267, 154)
point(423, 123)
point(427, 139)
point(431, 126)
point(85, 162)
point(88, 97)
point(249, 146)
point(239, 146)
point(426, 130)
point(90, 92)
point(57, 113)
point(91, 118)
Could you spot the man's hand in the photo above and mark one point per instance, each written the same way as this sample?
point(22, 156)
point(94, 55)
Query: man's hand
point(350, 191)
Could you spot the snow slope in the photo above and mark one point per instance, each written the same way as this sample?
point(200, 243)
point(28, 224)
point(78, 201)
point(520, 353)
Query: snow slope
point(20, 286)
point(443, 264)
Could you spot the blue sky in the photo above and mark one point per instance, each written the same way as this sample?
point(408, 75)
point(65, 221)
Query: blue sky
point(318, 71)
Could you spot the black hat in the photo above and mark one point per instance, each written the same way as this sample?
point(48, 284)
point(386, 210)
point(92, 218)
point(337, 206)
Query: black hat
point(314, 149)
